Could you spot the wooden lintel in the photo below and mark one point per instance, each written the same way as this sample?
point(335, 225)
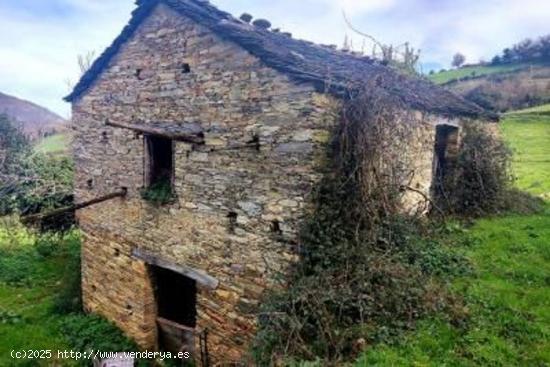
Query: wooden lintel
point(189, 133)
point(447, 121)
point(199, 276)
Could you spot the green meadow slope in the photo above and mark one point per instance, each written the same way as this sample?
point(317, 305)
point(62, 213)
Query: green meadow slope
point(54, 144)
point(474, 71)
point(528, 133)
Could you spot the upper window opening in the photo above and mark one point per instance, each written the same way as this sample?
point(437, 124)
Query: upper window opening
point(161, 160)
point(160, 173)
point(185, 68)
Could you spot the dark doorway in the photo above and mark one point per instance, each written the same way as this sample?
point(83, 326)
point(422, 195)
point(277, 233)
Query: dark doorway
point(176, 299)
point(161, 160)
point(446, 151)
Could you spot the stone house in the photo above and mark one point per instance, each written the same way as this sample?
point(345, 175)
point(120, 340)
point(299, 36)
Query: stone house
point(234, 118)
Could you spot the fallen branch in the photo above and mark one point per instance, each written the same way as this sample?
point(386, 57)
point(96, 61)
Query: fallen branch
point(54, 213)
point(425, 197)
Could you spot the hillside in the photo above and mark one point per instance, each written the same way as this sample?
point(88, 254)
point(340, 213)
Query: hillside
point(37, 121)
point(499, 87)
point(473, 71)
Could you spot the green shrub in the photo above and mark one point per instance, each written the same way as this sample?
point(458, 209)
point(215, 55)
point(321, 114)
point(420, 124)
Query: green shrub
point(435, 258)
point(26, 259)
point(38, 182)
point(30, 182)
point(478, 183)
point(159, 193)
point(47, 244)
point(16, 266)
point(520, 202)
point(9, 318)
point(92, 332)
point(350, 289)
point(13, 145)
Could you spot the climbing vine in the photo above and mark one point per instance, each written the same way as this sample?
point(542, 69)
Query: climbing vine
point(366, 268)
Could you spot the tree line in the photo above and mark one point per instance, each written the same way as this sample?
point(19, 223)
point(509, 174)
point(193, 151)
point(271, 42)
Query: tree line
point(528, 50)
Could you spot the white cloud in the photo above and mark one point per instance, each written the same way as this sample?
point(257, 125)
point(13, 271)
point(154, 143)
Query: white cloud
point(39, 54)
point(357, 7)
point(39, 49)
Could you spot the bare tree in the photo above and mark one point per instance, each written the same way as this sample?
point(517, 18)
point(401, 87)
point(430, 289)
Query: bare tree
point(85, 61)
point(402, 56)
point(458, 60)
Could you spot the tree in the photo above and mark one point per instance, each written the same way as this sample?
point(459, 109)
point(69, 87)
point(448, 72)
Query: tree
point(458, 60)
point(497, 60)
point(403, 57)
point(85, 62)
point(13, 143)
point(30, 181)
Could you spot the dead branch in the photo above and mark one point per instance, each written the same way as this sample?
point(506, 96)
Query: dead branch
point(54, 213)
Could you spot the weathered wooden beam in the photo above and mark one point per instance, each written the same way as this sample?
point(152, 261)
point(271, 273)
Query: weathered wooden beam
point(175, 325)
point(199, 276)
point(54, 213)
point(189, 133)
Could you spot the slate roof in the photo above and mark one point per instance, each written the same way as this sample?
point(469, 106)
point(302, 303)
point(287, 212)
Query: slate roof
point(302, 61)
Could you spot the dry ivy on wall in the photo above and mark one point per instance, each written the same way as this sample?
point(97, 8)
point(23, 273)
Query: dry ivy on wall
point(482, 181)
point(479, 182)
point(370, 153)
point(361, 277)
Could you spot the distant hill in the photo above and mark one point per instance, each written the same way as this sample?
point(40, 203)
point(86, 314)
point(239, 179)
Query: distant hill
point(35, 120)
point(499, 87)
point(518, 77)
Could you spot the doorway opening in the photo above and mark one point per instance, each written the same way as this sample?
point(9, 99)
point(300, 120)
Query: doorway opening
point(445, 154)
point(176, 300)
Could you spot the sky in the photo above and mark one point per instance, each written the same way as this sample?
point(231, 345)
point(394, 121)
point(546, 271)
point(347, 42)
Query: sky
point(41, 39)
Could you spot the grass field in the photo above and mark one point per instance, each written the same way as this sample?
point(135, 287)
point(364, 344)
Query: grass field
point(54, 144)
point(469, 71)
point(508, 296)
point(528, 133)
point(536, 111)
point(28, 283)
point(34, 271)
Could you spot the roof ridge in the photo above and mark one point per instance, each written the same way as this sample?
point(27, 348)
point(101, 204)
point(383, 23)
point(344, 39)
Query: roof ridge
point(329, 70)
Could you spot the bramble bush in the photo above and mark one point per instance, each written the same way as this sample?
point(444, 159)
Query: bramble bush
point(90, 332)
point(482, 182)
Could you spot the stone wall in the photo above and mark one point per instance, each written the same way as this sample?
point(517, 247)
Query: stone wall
point(416, 150)
point(418, 153)
point(234, 97)
point(112, 277)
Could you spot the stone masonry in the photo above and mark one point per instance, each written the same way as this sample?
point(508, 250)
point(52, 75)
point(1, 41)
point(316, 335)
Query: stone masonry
point(235, 98)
